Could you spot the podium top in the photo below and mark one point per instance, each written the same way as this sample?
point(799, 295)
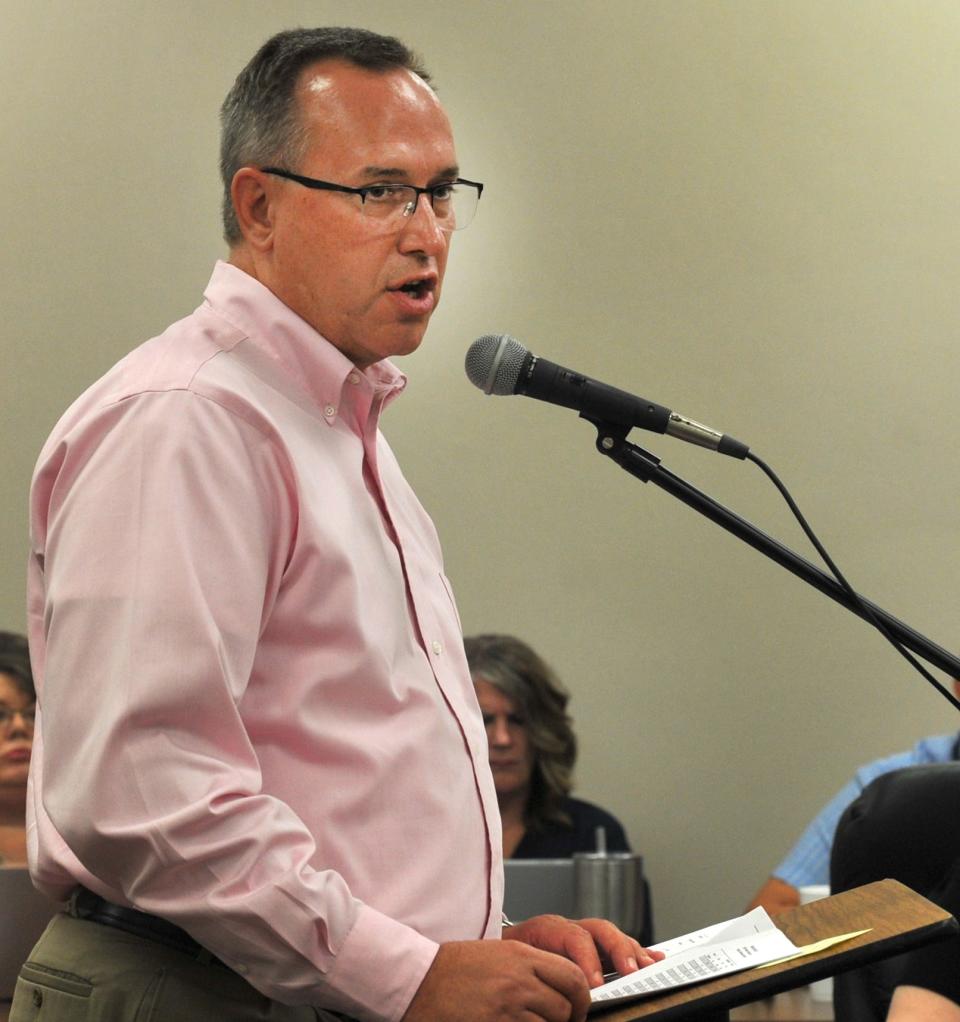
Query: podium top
point(898, 919)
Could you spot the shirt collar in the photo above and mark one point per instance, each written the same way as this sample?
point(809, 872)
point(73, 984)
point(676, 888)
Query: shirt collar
point(301, 353)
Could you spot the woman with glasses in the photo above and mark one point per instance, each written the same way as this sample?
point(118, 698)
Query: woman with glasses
point(17, 706)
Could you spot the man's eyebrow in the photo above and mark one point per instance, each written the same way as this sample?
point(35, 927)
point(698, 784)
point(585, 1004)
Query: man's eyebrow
point(398, 172)
point(383, 172)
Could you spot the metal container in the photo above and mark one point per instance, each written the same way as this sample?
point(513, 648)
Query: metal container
point(609, 886)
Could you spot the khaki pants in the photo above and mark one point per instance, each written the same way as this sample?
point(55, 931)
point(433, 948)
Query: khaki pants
point(82, 971)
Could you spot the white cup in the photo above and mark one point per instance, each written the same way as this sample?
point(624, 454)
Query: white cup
point(822, 989)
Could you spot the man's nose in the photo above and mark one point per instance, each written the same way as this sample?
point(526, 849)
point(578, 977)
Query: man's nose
point(421, 230)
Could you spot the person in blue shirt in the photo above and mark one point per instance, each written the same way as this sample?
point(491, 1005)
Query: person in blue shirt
point(808, 861)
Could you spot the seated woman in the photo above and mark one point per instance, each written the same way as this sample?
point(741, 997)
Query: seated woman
point(17, 705)
point(532, 753)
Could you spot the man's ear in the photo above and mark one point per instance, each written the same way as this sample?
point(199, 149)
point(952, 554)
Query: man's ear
point(253, 207)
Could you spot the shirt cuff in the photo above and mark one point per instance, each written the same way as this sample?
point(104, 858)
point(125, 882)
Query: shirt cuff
point(379, 968)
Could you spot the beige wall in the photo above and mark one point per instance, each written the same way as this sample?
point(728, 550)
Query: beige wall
point(745, 210)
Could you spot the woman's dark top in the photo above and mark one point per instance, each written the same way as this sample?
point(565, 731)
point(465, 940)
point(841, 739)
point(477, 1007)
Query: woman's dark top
point(560, 841)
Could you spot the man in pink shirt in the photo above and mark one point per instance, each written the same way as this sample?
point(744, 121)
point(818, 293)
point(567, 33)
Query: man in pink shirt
point(260, 775)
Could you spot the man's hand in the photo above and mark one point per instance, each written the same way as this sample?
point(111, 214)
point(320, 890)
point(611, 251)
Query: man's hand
point(499, 981)
point(584, 942)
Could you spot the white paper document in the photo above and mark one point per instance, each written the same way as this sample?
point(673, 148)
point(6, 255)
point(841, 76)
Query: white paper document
point(726, 947)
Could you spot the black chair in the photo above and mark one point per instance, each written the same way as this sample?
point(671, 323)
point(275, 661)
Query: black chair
point(905, 825)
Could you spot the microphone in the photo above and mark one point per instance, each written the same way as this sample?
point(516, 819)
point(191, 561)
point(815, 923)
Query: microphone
point(500, 364)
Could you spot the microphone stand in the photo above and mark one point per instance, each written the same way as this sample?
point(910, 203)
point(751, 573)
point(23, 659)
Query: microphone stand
point(612, 442)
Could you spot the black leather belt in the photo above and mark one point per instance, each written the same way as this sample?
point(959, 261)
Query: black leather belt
point(85, 904)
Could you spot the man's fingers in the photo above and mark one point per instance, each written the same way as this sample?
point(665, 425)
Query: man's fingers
point(629, 955)
point(581, 948)
point(549, 1005)
point(586, 943)
point(567, 985)
point(624, 953)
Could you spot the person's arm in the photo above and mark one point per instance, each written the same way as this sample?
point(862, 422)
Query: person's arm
point(775, 895)
point(916, 1004)
point(808, 861)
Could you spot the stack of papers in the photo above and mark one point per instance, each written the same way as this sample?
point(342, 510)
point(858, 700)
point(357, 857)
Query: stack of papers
point(716, 950)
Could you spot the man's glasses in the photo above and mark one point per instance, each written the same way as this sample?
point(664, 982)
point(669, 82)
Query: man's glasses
point(454, 202)
point(28, 716)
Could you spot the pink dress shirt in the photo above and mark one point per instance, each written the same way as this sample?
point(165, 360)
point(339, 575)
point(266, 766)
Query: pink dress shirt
point(256, 717)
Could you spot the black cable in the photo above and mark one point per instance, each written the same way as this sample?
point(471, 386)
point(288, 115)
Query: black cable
point(865, 610)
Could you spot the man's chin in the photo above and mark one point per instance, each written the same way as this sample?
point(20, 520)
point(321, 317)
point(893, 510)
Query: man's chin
point(406, 341)
point(392, 343)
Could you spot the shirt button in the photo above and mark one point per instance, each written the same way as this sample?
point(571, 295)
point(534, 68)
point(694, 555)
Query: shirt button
point(241, 968)
point(354, 377)
point(437, 647)
point(330, 411)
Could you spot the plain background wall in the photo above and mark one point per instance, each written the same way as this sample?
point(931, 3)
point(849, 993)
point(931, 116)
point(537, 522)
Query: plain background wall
point(747, 211)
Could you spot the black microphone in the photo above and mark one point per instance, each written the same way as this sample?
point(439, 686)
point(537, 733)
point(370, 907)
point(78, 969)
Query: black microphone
point(500, 364)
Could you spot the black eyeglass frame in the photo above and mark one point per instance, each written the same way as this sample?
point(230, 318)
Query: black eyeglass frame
point(329, 186)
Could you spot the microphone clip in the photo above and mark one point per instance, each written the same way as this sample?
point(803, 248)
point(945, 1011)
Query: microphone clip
point(612, 443)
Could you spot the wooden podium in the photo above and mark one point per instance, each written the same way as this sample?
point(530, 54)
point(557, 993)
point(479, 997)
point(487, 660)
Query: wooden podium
point(898, 919)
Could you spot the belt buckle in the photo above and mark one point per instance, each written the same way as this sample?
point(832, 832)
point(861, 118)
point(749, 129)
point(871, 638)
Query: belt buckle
point(75, 908)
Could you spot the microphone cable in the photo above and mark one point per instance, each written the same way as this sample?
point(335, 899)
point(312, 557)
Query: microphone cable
point(850, 591)
point(500, 364)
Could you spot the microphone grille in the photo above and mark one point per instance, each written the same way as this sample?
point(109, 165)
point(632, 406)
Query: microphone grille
point(494, 363)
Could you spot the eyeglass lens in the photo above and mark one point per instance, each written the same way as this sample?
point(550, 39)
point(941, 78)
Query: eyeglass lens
point(453, 207)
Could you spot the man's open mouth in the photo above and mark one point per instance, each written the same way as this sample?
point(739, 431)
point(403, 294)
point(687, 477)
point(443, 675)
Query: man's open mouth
point(417, 288)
